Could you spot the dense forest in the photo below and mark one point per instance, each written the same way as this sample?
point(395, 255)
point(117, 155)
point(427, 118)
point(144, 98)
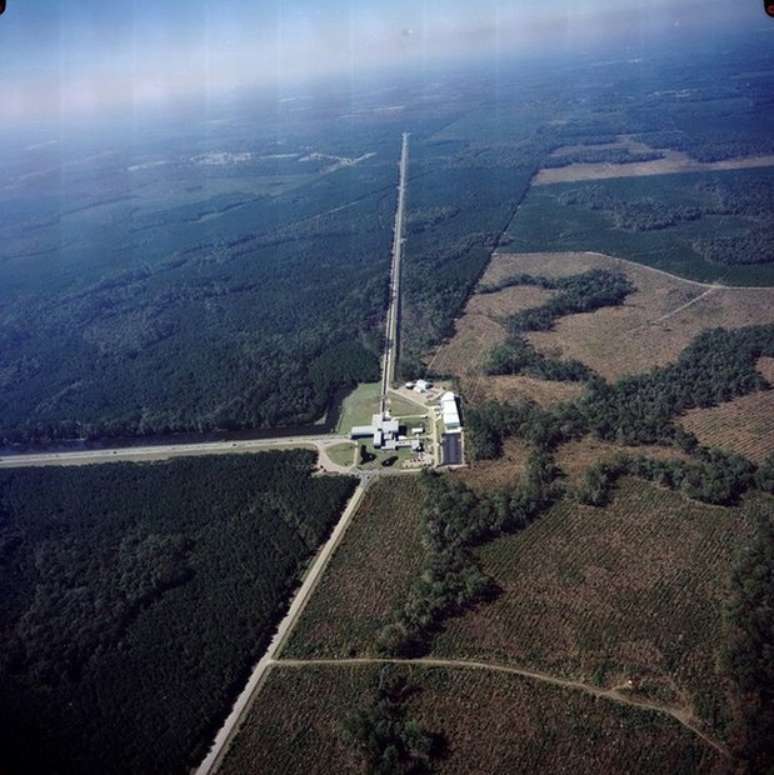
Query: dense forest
point(249, 332)
point(601, 156)
point(714, 477)
point(750, 622)
point(750, 198)
point(705, 226)
point(458, 207)
point(136, 597)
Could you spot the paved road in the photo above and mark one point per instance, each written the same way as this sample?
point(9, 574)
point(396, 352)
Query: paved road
point(393, 311)
point(614, 694)
point(244, 701)
point(168, 451)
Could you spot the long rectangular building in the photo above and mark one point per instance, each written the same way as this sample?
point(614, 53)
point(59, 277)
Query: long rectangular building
point(450, 412)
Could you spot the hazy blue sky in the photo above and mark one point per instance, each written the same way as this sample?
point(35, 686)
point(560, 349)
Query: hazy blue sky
point(88, 55)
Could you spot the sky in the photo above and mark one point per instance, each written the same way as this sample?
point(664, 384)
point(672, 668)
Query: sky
point(86, 57)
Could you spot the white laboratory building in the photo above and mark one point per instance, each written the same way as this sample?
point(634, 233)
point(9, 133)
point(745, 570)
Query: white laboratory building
point(450, 412)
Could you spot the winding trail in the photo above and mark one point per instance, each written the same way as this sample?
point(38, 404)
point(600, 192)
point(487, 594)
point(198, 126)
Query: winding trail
point(687, 304)
point(680, 715)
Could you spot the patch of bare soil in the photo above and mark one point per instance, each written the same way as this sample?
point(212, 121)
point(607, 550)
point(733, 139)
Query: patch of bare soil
point(654, 324)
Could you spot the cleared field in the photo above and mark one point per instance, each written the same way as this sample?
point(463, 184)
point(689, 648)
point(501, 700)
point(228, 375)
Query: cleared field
point(518, 387)
point(402, 407)
point(650, 328)
point(488, 475)
point(368, 576)
point(744, 425)
point(359, 406)
point(575, 457)
point(484, 722)
point(481, 327)
point(342, 454)
point(631, 591)
point(673, 162)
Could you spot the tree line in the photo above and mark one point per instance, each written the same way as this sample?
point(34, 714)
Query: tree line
point(135, 599)
point(454, 520)
point(584, 292)
point(715, 477)
point(601, 156)
point(717, 366)
point(747, 655)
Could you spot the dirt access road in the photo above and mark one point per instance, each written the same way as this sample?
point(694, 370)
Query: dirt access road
point(614, 694)
point(312, 578)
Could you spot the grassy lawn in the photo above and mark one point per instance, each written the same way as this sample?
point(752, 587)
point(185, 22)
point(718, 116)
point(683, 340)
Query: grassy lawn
point(414, 421)
point(342, 454)
point(402, 454)
point(400, 406)
point(359, 406)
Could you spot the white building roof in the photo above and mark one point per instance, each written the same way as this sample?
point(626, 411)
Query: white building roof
point(391, 426)
point(449, 410)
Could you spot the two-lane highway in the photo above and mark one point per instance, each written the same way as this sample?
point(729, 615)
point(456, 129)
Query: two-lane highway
point(153, 452)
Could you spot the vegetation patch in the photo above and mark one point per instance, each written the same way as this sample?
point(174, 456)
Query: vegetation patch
point(136, 598)
point(503, 723)
point(505, 471)
point(481, 327)
point(718, 366)
point(385, 739)
point(367, 577)
point(342, 454)
point(578, 293)
point(359, 407)
point(750, 622)
point(744, 426)
point(576, 457)
point(714, 477)
point(454, 519)
point(707, 226)
point(445, 259)
point(632, 592)
point(591, 155)
point(518, 387)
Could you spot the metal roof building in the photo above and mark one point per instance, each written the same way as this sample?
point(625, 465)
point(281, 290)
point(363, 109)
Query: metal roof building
point(451, 448)
point(450, 412)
